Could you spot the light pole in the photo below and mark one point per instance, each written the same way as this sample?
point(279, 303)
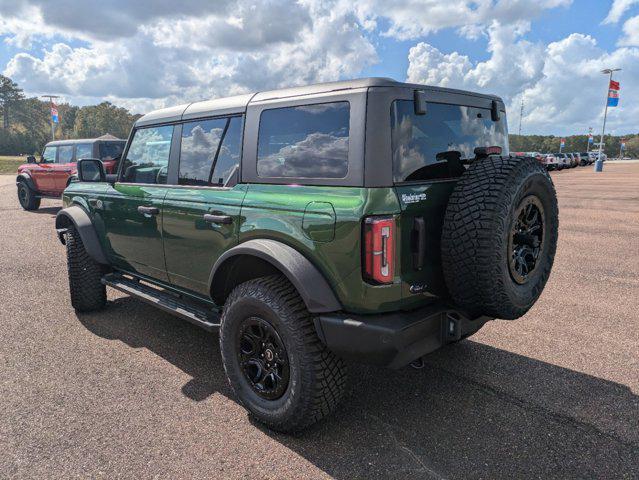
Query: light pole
point(51, 97)
point(599, 162)
point(521, 114)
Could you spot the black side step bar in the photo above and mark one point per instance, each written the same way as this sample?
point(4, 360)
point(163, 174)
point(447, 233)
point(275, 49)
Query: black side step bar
point(169, 302)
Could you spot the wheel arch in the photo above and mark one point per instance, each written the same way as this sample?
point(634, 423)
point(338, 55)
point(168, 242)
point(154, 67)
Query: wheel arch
point(258, 258)
point(26, 178)
point(77, 217)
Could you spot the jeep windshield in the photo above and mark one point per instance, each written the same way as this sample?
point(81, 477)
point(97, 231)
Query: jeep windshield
point(436, 145)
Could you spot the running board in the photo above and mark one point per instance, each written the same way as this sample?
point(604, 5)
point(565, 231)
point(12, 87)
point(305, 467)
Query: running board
point(164, 300)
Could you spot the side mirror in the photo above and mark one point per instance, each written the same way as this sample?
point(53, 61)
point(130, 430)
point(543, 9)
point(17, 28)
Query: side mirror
point(31, 159)
point(91, 170)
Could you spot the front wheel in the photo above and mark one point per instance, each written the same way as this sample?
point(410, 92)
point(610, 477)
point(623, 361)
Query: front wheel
point(27, 197)
point(276, 365)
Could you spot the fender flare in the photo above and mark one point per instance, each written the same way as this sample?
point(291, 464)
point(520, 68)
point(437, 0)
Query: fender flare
point(310, 283)
point(79, 218)
point(26, 178)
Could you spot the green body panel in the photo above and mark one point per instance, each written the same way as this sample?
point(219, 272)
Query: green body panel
point(178, 249)
point(287, 212)
point(191, 245)
point(429, 201)
point(133, 241)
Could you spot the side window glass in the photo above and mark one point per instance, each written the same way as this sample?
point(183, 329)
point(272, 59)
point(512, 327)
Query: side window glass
point(48, 156)
point(309, 141)
point(83, 150)
point(147, 159)
point(200, 143)
point(65, 154)
point(229, 156)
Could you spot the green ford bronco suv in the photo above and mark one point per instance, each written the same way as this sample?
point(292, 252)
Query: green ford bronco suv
point(367, 220)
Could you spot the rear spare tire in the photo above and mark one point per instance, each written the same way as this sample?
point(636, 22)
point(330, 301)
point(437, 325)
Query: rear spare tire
point(500, 236)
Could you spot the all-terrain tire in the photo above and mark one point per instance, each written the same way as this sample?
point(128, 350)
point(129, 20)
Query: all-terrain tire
point(27, 197)
point(85, 274)
point(317, 379)
point(478, 226)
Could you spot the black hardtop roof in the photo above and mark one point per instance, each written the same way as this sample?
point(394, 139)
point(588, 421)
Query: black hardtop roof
point(238, 104)
point(73, 141)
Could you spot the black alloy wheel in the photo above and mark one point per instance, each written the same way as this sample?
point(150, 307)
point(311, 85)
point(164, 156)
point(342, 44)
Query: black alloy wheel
point(526, 239)
point(263, 358)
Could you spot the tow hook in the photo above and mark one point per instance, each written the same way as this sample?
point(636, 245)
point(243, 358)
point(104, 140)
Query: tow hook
point(418, 364)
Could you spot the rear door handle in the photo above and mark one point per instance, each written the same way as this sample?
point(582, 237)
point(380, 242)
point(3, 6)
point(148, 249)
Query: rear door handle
point(221, 219)
point(148, 210)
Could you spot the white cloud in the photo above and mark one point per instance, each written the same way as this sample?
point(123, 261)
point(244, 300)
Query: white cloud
point(562, 84)
point(414, 18)
point(167, 61)
point(148, 54)
point(619, 7)
point(631, 33)
point(514, 63)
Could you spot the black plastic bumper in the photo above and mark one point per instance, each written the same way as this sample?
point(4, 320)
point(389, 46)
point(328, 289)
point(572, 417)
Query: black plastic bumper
point(394, 339)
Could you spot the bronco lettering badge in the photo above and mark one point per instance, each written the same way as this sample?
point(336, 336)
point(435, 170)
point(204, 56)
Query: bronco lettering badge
point(408, 198)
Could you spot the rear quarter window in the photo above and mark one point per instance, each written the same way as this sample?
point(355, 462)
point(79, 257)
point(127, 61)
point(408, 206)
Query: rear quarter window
point(309, 141)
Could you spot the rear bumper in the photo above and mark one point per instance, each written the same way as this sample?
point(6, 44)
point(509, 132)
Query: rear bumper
point(394, 339)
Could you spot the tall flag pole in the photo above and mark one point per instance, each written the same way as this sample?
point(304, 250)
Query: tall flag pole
point(54, 114)
point(612, 100)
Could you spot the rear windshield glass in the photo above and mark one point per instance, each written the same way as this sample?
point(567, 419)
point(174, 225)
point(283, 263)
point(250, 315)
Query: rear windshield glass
point(434, 145)
point(111, 150)
point(309, 141)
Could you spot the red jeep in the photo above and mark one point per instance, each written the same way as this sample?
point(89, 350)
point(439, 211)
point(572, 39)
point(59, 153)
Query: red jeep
point(49, 176)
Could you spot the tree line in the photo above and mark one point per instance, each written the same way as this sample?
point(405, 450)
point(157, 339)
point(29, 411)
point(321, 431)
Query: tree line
point(26, 126)
point(574, 143)
point(26, 122)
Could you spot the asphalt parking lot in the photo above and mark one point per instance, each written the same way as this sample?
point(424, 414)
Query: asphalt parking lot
point(134, 392)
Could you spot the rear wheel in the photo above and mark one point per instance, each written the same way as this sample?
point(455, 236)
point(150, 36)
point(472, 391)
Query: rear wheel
point(277, 366)
point(500, 236)
point(85, 276)
point(27, 197)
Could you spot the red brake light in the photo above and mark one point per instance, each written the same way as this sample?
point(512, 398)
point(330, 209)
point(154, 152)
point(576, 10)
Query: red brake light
point(379, 249)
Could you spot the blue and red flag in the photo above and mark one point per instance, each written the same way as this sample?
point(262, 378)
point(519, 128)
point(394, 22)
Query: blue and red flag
point(590, 139)
point(562, 142)
point(613, 94)
point(54, 113)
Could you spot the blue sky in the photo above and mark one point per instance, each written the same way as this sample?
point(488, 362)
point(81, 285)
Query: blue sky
point(144, 55)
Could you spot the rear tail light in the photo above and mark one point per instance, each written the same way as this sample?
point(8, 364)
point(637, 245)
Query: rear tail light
point(379, 249)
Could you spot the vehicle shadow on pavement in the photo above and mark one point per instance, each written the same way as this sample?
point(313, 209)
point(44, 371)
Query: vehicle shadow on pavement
point(47, 211)
point(473, 411)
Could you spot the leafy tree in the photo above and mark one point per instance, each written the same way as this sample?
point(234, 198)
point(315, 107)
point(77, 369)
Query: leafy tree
point(10, 93)
point(96, 120)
